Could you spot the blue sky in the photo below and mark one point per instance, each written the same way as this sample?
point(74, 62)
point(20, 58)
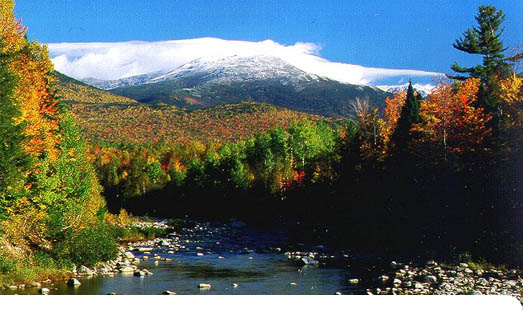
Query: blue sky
point(387, 34)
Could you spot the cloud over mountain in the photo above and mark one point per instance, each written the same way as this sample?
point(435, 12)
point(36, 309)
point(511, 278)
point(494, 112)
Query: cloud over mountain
point(110, 61)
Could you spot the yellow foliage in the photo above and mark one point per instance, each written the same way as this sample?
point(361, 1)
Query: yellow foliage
point(511, 90)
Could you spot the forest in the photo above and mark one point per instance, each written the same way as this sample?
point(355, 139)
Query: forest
point(437, 175)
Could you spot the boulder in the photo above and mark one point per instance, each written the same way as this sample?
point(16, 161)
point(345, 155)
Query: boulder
point(73, 282)
point(127, 269)
point(430, 279)
point(168, 292)
point(204, 286)
point(384, 278)
point(354, 281)
point(44, 291)
point(128, 255)
point(309, 261)
point(139, 273)
point(83, 270)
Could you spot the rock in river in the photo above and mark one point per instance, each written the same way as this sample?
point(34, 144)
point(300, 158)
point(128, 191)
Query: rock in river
point(204, 286)
point(73, 282)
point(309, 261)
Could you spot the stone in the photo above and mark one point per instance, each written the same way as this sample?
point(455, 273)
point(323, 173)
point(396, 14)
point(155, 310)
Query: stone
point(84, 270)
point(468, 271)
point(35, 284)
point(127, 269)
point(13, 287)
point(418, 285)
point(111, 294)
point(199, 254)
point(73, 282)
point(235, 285)
point(354, 281)
point(293, 284)
point(396, 282)
point(204, 286)
point(463, 265)
point(430, 279)
point(156, 263)
point(384, 278)
point(338, 293)
point(128, 255)
point(44, 291)
point(309, 261)
point(221, 257)
point(139, 273)
point(168, 292)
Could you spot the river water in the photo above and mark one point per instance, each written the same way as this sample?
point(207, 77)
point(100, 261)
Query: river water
point(250, 259)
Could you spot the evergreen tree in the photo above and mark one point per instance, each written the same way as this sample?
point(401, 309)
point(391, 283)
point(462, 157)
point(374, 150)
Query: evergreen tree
point(409, 115)
point(13, 159)
point(485, 40)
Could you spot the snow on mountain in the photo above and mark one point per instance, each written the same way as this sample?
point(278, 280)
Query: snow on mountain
point(239, 69)
point(117, 60)
point(424, 89)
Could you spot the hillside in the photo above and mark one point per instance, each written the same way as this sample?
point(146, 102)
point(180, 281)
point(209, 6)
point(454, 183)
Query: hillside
point(146, 124)
point(75, 92)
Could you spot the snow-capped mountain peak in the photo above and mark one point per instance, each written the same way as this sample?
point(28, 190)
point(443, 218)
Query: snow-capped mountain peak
point(237, 68)
point(424, 89)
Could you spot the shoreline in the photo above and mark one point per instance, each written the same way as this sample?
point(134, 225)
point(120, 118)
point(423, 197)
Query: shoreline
point(396, 278)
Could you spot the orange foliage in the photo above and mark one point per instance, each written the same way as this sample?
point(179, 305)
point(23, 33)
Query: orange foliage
point(449, 118)
point(392, 114)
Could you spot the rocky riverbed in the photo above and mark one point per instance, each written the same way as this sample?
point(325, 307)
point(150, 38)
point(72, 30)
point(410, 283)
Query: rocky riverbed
point(440, 279)
point(231, 259)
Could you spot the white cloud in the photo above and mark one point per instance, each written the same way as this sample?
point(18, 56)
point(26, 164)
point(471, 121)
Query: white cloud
point(109, 61)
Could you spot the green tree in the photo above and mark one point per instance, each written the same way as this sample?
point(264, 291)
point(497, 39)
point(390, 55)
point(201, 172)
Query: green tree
point(409, 115)
point(485, 40)
point(13, 159)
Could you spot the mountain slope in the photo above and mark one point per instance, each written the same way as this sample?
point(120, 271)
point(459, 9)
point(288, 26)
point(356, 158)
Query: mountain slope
point(207, 82)
point(146, 124)
point(75, 92)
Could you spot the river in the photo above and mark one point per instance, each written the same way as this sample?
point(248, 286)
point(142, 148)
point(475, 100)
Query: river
point(248, 257)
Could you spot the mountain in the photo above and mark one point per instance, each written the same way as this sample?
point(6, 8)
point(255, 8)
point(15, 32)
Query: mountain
point(138, 123)
point(75, 92)
point(423, 89)
point(130, 81)
point(211, 81)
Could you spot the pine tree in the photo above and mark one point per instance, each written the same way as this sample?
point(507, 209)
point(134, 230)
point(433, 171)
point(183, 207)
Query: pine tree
point(485, 40)
point(409, 115)
point(13, 159)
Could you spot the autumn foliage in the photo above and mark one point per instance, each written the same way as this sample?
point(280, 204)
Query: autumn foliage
point(60, 196)
point(450, 119)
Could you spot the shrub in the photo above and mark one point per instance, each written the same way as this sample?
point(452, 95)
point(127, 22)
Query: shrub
point(88, 246)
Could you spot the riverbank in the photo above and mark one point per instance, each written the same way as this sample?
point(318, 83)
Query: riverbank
point(234, 258)
point(441, 279)
point(45, 276)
